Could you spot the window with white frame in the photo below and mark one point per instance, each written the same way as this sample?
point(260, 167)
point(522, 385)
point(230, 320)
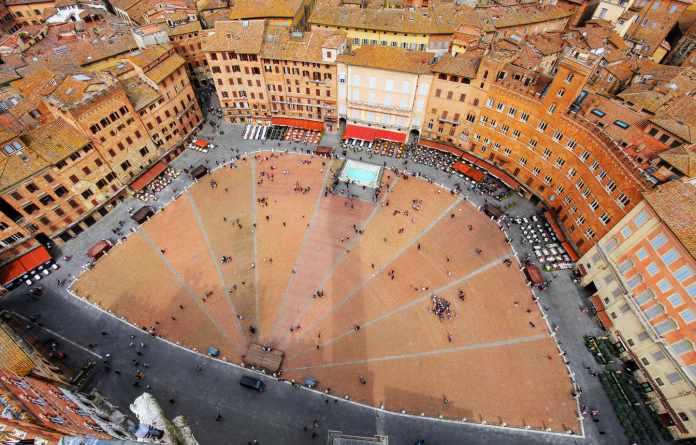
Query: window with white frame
point(512, 111)
point(552, 108)
point(684, 273)
point(567, 200)
point(640, 219)
point(664, 327)
point(634, 281)
point(560, 162)
point(515, 134)
point(558, 136)
point(547, 180)
point(523, 161)
point(584, 155)
point(500, 107)
point(532, 143)
point(574, 208)
point(642, 298)
point(601, 175)
point(610, 186)
point(670, 256)
point(572, 172)
point(504, 129)
point(675, 300)
point(590, 233)
point(586, 193)
point(542, 126)
point(490, 103)
point(606, 219)
point(687, 316)
point(580, 184)
point(658, 241)
point(594, 165)
point(571, 144)
point(536, 171)
point(664, 285)
point(524, 117)
point(484, 120)
point(507, 151)
point(594, 205)
point(641, 254)
point(652, 269)
point(547, 153)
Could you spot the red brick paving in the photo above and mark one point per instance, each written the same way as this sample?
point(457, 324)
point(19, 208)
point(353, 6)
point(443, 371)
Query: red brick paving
point(133, 282)
point(512, 382)
point(281, 243)
point(227, 239)
point(323, 249)
point(181, 238)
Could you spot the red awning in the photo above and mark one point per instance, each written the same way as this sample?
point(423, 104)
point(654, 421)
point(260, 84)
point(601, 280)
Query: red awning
point(362, 133)
point(297, 123)
point(314, 125)
point(440, 146)
point(149, 175)
point(11, 271)
point(476, 175)
point(597, 303)
point(201, 143)
point(573, 256)
point(26, 263)
point(35, 258)
point(551, 218)
point(390, 136)
point(605, 320)
point(470, 158)
point(507, 179)
point(461, 168)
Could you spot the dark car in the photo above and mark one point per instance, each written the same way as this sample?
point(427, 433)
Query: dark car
point(252, 383)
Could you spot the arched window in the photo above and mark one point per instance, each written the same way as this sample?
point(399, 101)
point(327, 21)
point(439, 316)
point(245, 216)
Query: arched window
point(17, 145)
point(465, 81)
point(8, 149)
point(442, 76)
point(453, 78)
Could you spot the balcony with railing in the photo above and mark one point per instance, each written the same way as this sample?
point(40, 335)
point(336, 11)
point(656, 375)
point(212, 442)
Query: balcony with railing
point(380, 107)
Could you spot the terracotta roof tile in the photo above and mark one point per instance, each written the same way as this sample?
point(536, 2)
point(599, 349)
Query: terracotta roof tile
point(675, 203)
point(55, 141)
point(234, 36)
point(464, 65)
point(254, 9)
point(280, 45)
point(439, 19)
point(681, 158)
point(140, 93)
point(678, 117)
point(158, 62)
point(389, 58)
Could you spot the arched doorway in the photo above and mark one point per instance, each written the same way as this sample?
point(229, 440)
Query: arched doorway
point(413, 136)
point(342, 125)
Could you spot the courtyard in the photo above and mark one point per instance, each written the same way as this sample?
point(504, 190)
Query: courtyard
point(494, 360)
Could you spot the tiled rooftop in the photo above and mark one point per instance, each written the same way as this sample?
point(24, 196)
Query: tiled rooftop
point(54, 141)
point(158, 62)
point(442, 19)
point(675, 203)
point(279, 44)
point(389, 58)
point(678, 117)
point(140, 93)
point(235, 36)
point(254, 9)
point(681, 158)
point(464, 65)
